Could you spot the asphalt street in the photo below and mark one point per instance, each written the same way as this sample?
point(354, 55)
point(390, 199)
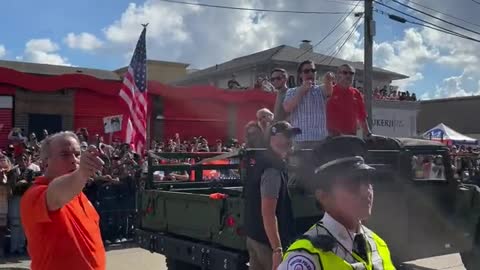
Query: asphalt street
point(136, 258)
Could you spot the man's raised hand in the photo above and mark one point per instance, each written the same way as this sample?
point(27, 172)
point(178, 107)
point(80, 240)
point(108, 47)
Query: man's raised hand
point(90, 162)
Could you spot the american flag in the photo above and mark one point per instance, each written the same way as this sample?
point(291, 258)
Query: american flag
point(134, 93)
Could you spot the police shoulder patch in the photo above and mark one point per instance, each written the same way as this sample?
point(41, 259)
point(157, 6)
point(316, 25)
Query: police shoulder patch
point(300, 262)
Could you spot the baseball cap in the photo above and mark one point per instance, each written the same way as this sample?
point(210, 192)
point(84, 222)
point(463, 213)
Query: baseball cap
point(285, 128)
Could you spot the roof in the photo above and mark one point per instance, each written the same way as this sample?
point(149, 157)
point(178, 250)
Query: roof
point(46, 69)
point(282, 53)
point(155, 62)
point(450, 99)
point(415, 142)
point(389, 143)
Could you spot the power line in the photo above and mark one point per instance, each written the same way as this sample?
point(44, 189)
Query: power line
point(331, 50)
point(448, 31)
point(403, 20)
point(443, 13)
point(254, 9)
point(475, 1)
point(356, 25)
point(435, 17)
point(342, 2)
point(337, 24)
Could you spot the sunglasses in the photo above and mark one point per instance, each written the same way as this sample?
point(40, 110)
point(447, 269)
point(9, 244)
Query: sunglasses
point(344, 72)
point(308, 70)
point(273, 79)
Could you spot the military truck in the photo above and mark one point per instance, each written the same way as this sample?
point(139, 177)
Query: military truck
point(419, 208)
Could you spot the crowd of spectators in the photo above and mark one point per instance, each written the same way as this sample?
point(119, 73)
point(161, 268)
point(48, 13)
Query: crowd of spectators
point(20, 164)
point(194, 144)
point(394, 95)
point(466, 162)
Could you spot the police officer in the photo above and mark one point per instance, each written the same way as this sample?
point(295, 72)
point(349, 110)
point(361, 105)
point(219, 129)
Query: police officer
point(342, 186)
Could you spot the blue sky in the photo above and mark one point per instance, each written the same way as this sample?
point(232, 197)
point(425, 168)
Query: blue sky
point(101, 34)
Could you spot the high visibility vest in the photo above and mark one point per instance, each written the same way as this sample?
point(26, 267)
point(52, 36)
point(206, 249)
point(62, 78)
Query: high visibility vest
point(377, 251)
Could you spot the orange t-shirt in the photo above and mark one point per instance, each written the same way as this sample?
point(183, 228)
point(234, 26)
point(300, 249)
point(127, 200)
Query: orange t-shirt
point(68, 238)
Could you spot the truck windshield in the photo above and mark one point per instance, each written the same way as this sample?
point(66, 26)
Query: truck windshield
point(428, 167)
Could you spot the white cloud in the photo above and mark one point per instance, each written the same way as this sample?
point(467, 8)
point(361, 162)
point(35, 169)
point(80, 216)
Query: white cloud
point(205, 36)
point(455, 86)
point(83, 41)
point(3, 51)
point(407, 56)
point(43, 51)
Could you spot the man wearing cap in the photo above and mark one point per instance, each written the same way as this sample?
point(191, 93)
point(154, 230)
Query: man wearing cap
point(339, 241)
point(268, 214)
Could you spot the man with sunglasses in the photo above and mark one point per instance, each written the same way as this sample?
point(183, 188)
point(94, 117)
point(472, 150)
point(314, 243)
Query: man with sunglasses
point(279, 78)
point(306, 105)
point(341, 184)
point(346, 107)
point(269, 219)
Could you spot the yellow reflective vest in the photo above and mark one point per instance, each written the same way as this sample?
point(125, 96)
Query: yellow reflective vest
point(378, 253)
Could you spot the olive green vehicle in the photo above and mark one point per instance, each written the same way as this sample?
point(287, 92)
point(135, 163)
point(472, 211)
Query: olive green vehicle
point(419, 208)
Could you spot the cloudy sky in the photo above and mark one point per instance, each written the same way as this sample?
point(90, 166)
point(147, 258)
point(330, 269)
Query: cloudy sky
point(102, 34)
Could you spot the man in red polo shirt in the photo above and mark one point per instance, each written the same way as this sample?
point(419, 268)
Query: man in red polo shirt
point(61, 225)
point(346, 108)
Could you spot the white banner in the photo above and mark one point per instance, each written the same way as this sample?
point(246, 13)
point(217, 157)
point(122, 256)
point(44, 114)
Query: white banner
point(394, 122)
point(113, 123)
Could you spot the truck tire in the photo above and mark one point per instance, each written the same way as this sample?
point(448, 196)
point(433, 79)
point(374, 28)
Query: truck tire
point(173, 264)
point(471, 259)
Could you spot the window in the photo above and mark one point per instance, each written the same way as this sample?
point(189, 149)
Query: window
point(428, 167)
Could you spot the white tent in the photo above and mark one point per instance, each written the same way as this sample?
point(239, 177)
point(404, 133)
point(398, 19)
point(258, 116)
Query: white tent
point(445, 133)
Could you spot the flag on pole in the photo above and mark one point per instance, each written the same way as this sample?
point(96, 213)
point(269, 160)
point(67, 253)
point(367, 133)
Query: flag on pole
point(134, 93)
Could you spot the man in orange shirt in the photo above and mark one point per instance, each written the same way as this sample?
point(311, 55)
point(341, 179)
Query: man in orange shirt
point(345, 107)
point(61, 225)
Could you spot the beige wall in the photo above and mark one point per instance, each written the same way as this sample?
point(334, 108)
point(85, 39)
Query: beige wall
point(166, 72)
point(161, 71)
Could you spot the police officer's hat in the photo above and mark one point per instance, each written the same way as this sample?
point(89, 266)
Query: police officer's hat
point(340, 157)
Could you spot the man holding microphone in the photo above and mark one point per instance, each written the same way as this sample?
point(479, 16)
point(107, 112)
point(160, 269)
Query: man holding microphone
point(61, 225)
point(306, 105)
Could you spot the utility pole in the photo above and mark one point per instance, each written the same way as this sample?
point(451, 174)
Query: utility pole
point(369, 33)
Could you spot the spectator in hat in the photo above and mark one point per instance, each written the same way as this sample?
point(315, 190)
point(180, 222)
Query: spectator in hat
point(341, 184)
point(268, 213)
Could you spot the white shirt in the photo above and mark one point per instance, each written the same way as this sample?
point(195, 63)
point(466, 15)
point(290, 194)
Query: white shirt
point(306, 260)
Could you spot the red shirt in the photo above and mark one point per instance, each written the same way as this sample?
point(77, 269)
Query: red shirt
point(68, 238)
point(345, 108)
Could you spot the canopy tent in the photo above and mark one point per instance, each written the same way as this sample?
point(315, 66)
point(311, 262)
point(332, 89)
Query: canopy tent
point(441, 132)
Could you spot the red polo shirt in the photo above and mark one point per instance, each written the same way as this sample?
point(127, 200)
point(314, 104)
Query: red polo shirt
point(345, 108)
point(68, 238)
